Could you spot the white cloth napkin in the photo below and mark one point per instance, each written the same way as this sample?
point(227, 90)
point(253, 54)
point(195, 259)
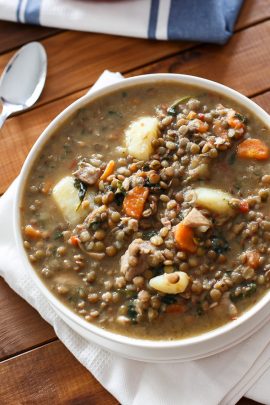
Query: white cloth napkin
point(220, 379)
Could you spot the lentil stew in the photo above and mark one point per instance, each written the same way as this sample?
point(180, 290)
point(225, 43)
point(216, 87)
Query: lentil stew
point(147, 212)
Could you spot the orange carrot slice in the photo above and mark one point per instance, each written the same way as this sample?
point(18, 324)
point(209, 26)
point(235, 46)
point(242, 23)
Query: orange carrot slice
point(201, 125)
point(108, 170)
point(253, 149)
point(74, 240)
point(184, 237)
point(134, 201)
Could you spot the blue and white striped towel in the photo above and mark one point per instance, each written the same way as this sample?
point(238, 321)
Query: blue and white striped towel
point(195, 20)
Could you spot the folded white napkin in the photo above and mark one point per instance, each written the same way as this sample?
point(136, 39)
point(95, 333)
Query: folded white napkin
point(220, 379)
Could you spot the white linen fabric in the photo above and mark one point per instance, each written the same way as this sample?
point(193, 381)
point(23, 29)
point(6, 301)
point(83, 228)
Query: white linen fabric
point(155, 19)
point(220, 379)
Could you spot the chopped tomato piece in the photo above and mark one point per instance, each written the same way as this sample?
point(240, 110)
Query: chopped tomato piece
point(243, 206)
point(201, 116)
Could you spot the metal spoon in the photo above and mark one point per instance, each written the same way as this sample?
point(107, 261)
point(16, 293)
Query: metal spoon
point(23, 79)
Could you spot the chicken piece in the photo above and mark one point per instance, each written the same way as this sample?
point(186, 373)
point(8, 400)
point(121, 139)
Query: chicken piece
point(140, 256)
point(196, 219)
point(87, 173)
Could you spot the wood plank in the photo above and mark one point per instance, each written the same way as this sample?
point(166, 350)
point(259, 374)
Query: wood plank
point(228, 65)
point(264, 101)
point(19, 133)
point(21, 326)
point(252, 12)
point(75, 59)
point(242, 63)
point(49, 375)
point(13, 35)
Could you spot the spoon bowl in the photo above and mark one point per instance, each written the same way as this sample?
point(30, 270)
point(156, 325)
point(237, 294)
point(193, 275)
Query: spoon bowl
point(23, 79)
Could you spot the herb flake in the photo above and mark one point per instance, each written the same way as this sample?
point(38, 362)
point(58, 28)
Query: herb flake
point(219, 244)
point(251, 288)
point(94, 225)
point(172, 110)
point(147, 235)
point(82, 189)
point(57, 235)
point(241, 117)
point(132, 313)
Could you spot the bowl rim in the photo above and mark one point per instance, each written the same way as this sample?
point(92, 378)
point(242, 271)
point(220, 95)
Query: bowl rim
point(65, 115)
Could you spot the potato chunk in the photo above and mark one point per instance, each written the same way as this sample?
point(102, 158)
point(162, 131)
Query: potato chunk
point(214, 200)
point(173, 283)
point(67, 199)
point(139, 136)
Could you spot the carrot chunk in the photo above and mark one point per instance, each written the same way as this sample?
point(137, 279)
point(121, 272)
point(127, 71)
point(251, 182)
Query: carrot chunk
point(108, 170)
point(253, 149)
point(202, 126)
point(234, 121)
point(74, 240)
point(253, 259)
point(135, 200)
point(184, 237)
point(31, 232)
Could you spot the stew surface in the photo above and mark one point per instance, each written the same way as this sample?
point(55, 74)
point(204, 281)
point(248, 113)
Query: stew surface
point(148, 215)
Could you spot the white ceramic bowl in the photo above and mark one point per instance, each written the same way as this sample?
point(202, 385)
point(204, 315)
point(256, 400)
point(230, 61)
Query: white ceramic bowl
point(157, 351)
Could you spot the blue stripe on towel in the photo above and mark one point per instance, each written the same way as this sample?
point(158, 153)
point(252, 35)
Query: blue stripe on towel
point(32, 12)
point(152, 25)
point(210, 21)
point(18, 10)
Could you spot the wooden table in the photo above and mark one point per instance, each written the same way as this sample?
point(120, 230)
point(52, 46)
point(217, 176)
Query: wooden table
point(35, 366)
